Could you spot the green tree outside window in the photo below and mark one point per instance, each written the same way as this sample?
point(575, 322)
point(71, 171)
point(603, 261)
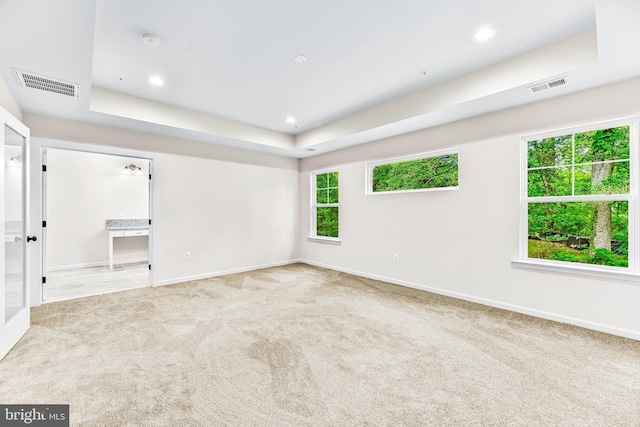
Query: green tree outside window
point(417, 174)
point(594, 166)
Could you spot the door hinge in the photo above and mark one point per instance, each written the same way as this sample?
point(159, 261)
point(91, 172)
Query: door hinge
point(149, 266)
point(149, 176)
point(44, 168)
point(44, 279)
point(44, 224)
point(149, 222)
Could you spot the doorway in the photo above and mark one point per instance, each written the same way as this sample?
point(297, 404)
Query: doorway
point(96, 215)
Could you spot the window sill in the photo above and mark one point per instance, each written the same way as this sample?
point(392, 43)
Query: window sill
point(369, 192)
point(576, 270)
point(329, 240)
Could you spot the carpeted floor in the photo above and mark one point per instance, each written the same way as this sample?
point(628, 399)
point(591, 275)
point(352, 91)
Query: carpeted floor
point(303, 346)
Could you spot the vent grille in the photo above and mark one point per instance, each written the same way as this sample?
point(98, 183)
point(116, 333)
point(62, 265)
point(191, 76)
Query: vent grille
point(47, 84)
point(548, 85)
point(538, 88)
point(558, 82)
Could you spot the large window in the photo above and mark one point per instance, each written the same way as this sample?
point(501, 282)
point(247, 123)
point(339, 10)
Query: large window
point(437, 170)
point(324, 212)
point(580, 196)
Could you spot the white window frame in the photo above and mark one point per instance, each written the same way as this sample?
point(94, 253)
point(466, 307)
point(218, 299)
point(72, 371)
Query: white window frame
point(371, 166)
point(314, 206)
point(632, 272)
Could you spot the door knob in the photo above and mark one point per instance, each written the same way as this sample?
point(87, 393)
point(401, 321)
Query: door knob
point(31, 238)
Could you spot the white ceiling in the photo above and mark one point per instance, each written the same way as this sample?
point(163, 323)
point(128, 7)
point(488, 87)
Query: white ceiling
point(231, 79)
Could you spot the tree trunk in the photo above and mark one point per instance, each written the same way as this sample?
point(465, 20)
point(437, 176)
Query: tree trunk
point(602, 227)
point(602, 210)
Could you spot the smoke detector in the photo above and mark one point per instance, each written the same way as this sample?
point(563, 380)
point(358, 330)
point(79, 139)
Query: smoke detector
point(300, 58)
point(150, 39)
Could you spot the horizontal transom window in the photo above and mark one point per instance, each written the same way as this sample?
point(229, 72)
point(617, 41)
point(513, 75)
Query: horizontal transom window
point(437, 170)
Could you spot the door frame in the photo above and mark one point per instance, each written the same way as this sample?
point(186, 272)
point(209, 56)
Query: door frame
point(38, 268)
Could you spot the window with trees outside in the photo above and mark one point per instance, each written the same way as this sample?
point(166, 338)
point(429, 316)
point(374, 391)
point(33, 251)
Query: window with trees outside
point(324, 212)
point(436, 170)
point(580, 197)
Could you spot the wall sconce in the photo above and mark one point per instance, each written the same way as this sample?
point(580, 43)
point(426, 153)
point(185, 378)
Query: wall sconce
point(133, 168)
point(15, 161)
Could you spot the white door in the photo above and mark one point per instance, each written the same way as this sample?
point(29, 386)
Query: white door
point(14, 213)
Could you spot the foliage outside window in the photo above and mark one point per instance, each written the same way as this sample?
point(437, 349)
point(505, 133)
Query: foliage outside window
point(579, 196)
point(428, 171)
point(324, 221)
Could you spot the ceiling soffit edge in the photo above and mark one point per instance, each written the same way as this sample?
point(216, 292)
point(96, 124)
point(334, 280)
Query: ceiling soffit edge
point(556, 59)
point(122, 105)
point(577, 51)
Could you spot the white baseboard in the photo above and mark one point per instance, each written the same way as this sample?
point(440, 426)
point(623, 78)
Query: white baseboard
point(97, 264)
point(226, 272)
point(627, 333)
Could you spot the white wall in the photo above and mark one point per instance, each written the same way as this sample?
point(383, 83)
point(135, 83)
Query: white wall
point(227, 215)
point(8, 102)
point(463, 241)
point(83, 190)
point(232, 209)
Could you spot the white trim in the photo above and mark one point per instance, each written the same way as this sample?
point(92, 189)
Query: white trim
point(370, 166)
point(226, 272)
point(423, 155)
point(569, 165)
point(93, 148)
point(604, 272)
point(627, 333)
point(634, 240)
point(586, 198)
point(97, 264)
point(330, 240)
point(583, 127)
point(419, 190)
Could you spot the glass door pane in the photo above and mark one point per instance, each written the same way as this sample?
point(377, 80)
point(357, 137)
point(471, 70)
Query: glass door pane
point(14, 225)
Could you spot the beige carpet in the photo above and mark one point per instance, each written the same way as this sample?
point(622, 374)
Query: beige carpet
point(302, 346)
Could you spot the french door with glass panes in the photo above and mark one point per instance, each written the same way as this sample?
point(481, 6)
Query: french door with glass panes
point(14, 211)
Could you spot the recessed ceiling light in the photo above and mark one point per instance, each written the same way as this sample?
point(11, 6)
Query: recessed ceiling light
point(156, 80)
point(299, 58)
point(484, 34)
point(290, 120)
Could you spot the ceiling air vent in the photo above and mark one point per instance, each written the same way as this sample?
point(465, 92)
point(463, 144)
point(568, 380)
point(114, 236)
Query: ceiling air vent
point(559, 82)
point(47, 84)
point(548, 85)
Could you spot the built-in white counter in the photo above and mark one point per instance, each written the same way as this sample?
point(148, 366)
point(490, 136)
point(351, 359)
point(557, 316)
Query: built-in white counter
point(125, 228)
